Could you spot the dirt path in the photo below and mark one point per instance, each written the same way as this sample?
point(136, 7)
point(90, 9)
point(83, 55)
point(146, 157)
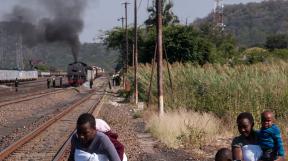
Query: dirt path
point(139, 145)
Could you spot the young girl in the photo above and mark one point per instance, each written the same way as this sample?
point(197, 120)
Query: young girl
point(245, 147)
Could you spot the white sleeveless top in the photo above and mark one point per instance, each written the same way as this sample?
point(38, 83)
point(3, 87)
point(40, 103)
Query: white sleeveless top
point(81, 155)
point(251, 152)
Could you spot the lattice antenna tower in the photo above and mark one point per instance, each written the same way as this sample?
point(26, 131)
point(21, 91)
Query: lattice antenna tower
point(219, 14)
point(3, 44)
point(19, 52)
point(1, 47)
point(19, 48)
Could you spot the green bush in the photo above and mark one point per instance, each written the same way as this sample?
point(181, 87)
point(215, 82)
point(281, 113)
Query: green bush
point(280, 53)
point(254, 55)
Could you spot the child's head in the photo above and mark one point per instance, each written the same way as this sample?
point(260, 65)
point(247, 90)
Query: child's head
point(86, 129)
point(223, 154)
point(267, 118)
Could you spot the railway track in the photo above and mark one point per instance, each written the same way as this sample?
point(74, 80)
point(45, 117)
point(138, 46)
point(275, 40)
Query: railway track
point(42, 81)
point(29, 97)
point(39, 80)
point(63, 153)
point(45, 141)
point(32, 90)
point(29, 114)
point(22, 87)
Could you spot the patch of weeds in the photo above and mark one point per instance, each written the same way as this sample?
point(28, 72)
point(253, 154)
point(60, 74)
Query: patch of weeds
point(192, 137)
point(76, 89)
point(137, 114)
point(124, 94)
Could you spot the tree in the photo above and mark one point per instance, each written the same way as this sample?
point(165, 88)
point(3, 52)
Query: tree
point(168, 15)
point(182, 44)
point(42, 67)
point(279, 41)
point(115, 39)
point(251, 23)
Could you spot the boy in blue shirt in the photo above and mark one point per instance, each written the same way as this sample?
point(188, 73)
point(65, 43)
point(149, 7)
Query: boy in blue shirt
point(270, 138)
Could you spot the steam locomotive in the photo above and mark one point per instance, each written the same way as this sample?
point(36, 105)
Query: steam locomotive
point(79, 72)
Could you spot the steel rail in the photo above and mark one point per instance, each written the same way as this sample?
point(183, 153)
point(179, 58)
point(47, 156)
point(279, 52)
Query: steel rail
point(9, 150)
point(30, 97)
point(60, 155)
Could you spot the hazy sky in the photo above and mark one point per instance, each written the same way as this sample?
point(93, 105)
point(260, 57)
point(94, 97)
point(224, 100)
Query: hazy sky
point(103, 14)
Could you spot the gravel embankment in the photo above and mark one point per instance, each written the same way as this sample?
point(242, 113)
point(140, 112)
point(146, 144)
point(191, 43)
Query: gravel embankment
point(139, 146)
point(18, 119)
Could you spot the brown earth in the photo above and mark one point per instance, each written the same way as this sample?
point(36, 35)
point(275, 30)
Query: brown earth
point(139, 144)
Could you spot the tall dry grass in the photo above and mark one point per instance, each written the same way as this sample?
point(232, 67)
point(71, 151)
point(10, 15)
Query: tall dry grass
point(223, 90)
point(184, 129)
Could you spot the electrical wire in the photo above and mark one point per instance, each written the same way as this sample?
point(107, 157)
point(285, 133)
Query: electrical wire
point(139, 4)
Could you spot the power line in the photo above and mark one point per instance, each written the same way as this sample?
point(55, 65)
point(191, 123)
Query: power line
point(139, 4)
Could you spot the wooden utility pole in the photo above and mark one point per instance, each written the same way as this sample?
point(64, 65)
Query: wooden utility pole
point(123, 57)
point(127, 45)
point(122, 20)
point(159, 58)
point(126, 31)
point(135, 53)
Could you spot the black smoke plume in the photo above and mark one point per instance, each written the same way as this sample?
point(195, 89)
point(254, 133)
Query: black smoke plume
point(63, 22)
point(66, 22)
point(20, 23)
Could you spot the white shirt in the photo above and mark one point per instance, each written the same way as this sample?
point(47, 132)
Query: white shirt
point(102, 126)
point(251, 152)
point(81, 155)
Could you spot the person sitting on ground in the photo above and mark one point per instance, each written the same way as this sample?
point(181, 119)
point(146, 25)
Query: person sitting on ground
point(92, 142)
point(102, 126)
point(245, 147)
point(224, 154)
point(270, 138)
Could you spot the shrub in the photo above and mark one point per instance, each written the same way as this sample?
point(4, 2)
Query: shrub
point(184, 128)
